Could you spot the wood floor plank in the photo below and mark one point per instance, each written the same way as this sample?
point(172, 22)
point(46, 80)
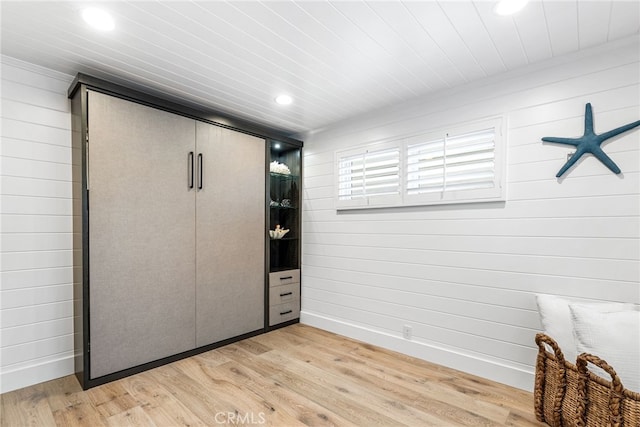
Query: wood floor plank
point(203, 404)
point(214, 397)
point(79, 414)
point(158, 403)
point(463, 383)
point(280, 340)
point(112, 399)
point(338, 403)
point(425, 394)
point(296, 406)
point(248, 403)
point(491, 392)
point(266, 366)
point(409, 407)
point(522, 419)
point(70, 405)
point(26, 407)
point(132, 417)
point(293, 376)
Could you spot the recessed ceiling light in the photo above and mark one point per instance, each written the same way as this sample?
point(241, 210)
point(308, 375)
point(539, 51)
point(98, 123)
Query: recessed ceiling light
point(277, 146)
point(98, 19)
point(284, 99)
point(509, 7)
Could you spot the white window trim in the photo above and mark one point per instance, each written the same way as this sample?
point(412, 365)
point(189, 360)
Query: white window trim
point(497, 193)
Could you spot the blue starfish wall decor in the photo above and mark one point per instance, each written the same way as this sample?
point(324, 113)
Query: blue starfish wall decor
point(590, 143)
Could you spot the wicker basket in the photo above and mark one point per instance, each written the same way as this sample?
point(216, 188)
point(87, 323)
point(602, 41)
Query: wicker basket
point(569, 395)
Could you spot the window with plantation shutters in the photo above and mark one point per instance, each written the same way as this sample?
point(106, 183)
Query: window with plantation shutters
point(463, 164)
point(452, 166)
point(369, 177)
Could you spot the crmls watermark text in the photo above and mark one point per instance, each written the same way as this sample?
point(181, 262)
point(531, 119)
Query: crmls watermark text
point(235, 418)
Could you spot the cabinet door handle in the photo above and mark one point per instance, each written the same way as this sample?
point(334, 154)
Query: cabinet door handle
point(286, 293)
point(282, 313)
point(199, 171)
point(190, 171)
point(286, 278)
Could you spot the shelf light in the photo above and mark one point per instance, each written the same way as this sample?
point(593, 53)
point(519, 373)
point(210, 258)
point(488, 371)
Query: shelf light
point(509, 7)
point(98, 19)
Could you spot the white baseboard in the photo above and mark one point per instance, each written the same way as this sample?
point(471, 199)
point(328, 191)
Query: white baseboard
point(36, 373)
point(502, 373)
point(492, 370)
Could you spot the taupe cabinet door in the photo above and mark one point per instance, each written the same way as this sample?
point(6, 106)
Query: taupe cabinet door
point(141, 234)
point(176, 251)
point(230, 234)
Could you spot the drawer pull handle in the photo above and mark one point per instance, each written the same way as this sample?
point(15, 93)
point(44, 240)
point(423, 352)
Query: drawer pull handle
point(285, 312)
point(286, 293)
point(286, 278)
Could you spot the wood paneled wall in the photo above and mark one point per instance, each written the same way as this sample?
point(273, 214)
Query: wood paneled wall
point(464, 277)
point(36, 288)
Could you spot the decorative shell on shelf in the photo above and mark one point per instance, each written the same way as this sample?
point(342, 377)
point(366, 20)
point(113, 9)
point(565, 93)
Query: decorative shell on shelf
point(277, 167)
point(278, 233)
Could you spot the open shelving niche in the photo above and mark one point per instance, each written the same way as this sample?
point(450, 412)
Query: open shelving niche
point(284, 207)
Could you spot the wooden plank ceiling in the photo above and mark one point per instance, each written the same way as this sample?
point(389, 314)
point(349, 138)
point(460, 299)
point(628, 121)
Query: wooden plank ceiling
point(336, 59)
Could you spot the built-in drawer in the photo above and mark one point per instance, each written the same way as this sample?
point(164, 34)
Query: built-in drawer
point(284, 294)
point(284, 277)
point(284, 312)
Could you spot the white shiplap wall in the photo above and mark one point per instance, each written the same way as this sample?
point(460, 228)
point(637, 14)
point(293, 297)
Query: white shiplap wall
point(464, 276)
point(36, 272)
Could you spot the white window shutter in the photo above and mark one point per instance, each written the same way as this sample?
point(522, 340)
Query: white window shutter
point(369, 177)
point(425, 167)
point(470, 161)
point(351, 177)
point(464, 165)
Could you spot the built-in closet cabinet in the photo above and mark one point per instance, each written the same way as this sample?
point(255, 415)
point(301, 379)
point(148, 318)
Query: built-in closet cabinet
point(230, 233)
point(142, 231)
point(172, 219)
point(284, 213)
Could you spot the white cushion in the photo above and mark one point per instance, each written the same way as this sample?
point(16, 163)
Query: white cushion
point(555, 317)
point(612, 336)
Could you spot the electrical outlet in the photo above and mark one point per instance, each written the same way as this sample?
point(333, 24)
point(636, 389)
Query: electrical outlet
point(406, 332)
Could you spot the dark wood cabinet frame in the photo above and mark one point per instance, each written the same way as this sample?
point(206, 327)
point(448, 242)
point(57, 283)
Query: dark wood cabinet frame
point(81, 207)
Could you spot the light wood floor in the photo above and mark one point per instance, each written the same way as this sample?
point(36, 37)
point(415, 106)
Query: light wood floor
point(294, 376)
